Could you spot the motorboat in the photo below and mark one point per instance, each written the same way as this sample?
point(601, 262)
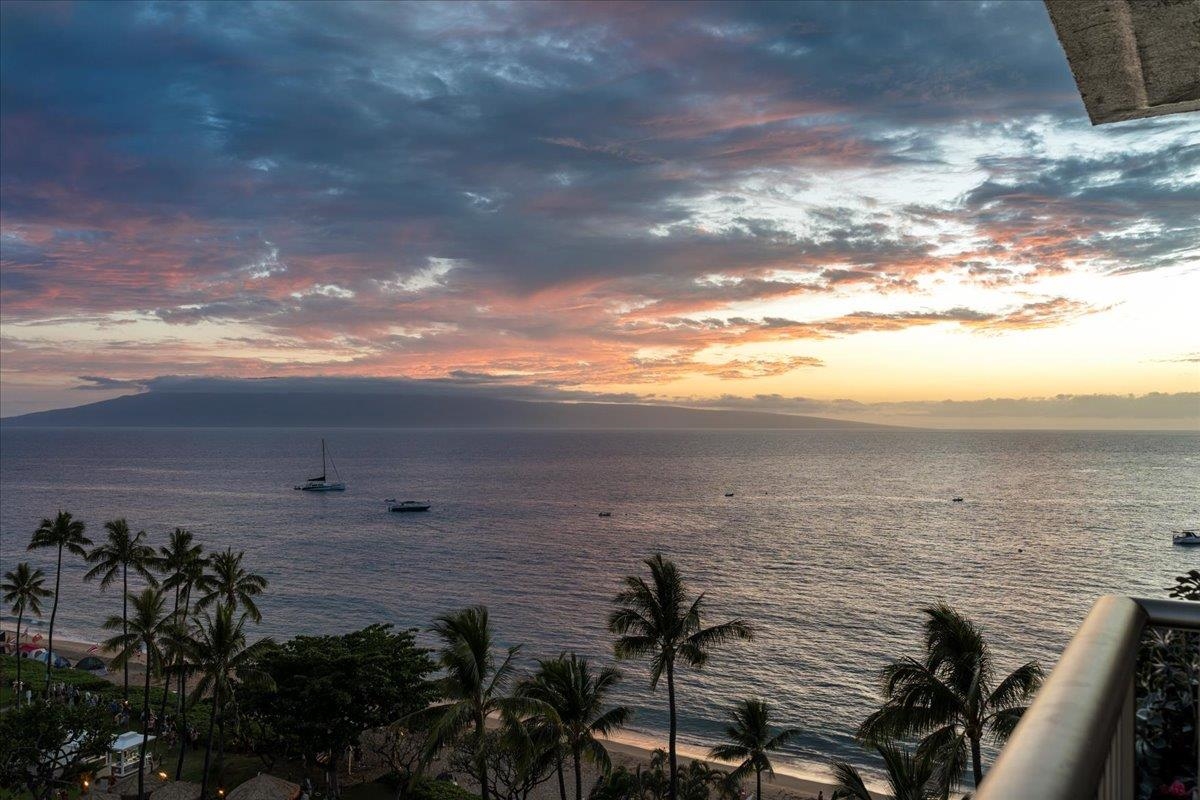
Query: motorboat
point(956, 500)
point(1187, 538)
point(406, 505)
point(606, 513)
point(321, 483)
point(729, 494)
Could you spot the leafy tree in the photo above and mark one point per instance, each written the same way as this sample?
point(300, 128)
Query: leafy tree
point(573, 711)
point(47, 746)
point(327, 691)
point(401, 745)
point(520, 757)
point(750, 740)
point(219, 652)
point(950, 695)
point(228, 582)
point(113, 558)
point(144, 632)
point(23, 589)
point(62, 533)
point(910, 777)
point(656, 620)
point(472, 686)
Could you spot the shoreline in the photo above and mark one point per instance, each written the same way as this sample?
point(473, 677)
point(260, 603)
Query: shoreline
point(628, 749)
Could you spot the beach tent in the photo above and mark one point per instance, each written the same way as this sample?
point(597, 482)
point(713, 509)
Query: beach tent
point(26, 650)
point(265, 787)
point(92, 664)
point(177, 790)
point(41, 654)
point(123, 753)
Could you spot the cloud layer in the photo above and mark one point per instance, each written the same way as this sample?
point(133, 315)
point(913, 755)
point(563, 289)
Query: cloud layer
point(598, 197)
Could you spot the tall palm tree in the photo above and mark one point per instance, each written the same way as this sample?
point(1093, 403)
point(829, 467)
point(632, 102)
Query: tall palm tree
point(23, 589)
point(658, 621)
point(910, 777)
point(113, 558)
point(950, 696)
point(219, 652)
point(573, 699)
point(62, 533)
point(750, 740)
point(473, 685)
point(227, 582)
point(181, 562)
point(144, 631)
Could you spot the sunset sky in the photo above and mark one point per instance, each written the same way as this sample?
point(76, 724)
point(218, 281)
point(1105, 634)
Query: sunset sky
point(857, 209)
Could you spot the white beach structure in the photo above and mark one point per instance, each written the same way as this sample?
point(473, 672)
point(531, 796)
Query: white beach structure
point(124, 752)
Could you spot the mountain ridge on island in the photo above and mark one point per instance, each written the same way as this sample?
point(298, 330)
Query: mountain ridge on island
point(307, 409)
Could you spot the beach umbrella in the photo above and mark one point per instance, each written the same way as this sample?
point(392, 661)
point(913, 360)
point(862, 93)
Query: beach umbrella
point(265, 787)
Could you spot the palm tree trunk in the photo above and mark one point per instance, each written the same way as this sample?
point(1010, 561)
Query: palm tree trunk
point(562, 784)
point(673, 765)
point(758, 784)
point(162, 712)
point(212, 716)
point(976, 761)
point(20, 691)
point(578, 773)
point(480, 732)
point(125, 626)
point(53, 614)
point(182, 723)
point(145, 731)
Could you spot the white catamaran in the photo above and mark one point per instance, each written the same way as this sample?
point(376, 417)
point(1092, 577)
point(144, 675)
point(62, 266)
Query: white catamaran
point(319, 483)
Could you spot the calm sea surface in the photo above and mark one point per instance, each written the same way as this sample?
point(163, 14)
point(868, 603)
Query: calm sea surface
point(830, 545)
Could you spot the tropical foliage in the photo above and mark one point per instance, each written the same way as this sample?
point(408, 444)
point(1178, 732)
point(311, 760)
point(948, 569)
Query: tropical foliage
point(45, 747)
point(657, 620)
point(24, 589)
point(750, 740)
point(910, 776)
point(951, 697)
point(64, 532)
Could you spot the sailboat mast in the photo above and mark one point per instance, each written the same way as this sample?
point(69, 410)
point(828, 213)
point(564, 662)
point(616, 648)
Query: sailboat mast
point(323, 473)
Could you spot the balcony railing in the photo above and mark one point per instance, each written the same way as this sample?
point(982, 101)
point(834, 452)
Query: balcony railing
point(1077, 740)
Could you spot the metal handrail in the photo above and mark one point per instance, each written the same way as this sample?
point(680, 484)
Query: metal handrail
point(1065, 742)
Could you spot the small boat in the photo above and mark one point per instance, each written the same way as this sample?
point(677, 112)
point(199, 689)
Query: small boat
point(319, 483)
point(606, 513)
point(1186, 538)
point(956, 500)
point(729, 494)
point(406, 505)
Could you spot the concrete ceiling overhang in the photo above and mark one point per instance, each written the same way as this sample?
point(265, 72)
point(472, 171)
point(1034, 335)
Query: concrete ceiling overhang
point(1131, 58)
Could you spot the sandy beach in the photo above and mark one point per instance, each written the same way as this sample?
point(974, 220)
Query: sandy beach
point(627, 749)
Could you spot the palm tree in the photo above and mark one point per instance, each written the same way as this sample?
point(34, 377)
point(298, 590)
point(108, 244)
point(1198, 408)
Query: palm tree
point(145, 631)
point(121, 551)
point(182, 564)
point(61, 533)
point(949, 696)
point(219, 652)
point(750, 741)
point(473, 685)
point(657, 620)
point(909, 776)
point(23, 589)
point(573, 703)
point(228, 583)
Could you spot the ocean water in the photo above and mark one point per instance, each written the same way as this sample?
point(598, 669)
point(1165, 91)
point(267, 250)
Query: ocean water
point(830, 545)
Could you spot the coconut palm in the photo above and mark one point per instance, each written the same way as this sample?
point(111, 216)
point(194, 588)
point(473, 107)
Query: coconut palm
point(113, 558)
point(950, 696)
point(62, 533)
point(23, 589)
point(658, 621)
point(181, 562)
point(219, 653)
point(750, 741)
point(143, 632)
point(572, 699)
point(227, 582)
point(473, 685)
point(910, 777)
